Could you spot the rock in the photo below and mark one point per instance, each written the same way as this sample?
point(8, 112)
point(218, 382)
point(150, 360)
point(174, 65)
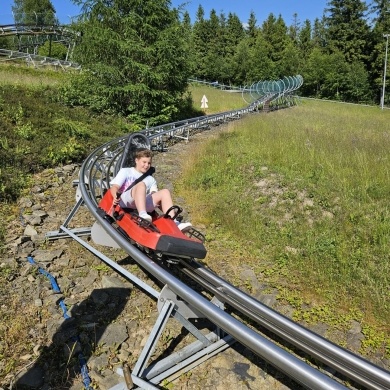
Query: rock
point(100, 297)
point(250, 277)
point(97, 362)
point(39, 213)
point(113, 335)
point(25, 202)
point(45, 256)
point(23, 239)
point(30, 231)
point(38, 303)
point(112, 281)
point(32, 378)
point(8, 262)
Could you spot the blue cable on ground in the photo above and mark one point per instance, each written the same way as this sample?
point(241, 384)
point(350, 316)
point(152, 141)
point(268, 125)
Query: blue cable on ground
point(82, 361)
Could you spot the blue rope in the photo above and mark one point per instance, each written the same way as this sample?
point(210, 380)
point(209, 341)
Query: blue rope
point(82, 361)
point(45, 273)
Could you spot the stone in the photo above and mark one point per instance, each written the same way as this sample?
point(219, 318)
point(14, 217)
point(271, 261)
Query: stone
point(100, 297)
point(113, 335)
point(98, 362)
point(32, 377)
point(30, 231)
point(112, 281)
point(38, 302)
point(45, 256)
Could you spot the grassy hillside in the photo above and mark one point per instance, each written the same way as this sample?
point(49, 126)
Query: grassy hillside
point(36, 131)
point(218, 101)
point(302, 195)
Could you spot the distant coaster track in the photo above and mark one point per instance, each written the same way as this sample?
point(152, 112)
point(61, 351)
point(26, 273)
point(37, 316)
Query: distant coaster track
point(31, 37)
point(272, 93)
point(179, 301)
point(17, 29)
point(36, 60)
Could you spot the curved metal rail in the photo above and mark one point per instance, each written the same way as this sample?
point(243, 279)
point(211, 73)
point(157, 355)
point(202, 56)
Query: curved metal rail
point(31, 37)
point(266, 90)
point(95, 174)
point(343, 361)
point(17, 29)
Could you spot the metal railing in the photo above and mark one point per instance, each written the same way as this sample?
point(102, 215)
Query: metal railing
point(36, 60)
point(28, 38)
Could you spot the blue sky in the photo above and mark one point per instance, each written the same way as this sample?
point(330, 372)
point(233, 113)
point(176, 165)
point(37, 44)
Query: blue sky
point(305, 9)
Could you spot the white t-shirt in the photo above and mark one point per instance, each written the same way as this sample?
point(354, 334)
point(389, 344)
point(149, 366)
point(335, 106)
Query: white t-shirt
point(126, 176)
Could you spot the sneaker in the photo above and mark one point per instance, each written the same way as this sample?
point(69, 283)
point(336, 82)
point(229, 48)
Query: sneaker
point(146, 216)
point(184, 226)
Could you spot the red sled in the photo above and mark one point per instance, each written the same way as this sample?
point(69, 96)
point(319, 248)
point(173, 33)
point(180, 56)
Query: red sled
point(162, 237)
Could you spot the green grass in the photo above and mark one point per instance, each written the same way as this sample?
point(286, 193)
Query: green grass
point(218, 101)
point(306, 191)
point(36, 132)
point(20, 74)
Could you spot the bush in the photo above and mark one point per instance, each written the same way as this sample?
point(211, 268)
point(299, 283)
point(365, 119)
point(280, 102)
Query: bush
point(53, 50)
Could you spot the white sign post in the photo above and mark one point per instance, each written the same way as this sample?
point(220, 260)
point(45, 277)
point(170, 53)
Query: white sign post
point(204, 102)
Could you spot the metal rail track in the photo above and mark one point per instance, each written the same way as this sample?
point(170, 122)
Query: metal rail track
point(95, 174)
point(36, 60)
point(343, 361)
point(30, 37)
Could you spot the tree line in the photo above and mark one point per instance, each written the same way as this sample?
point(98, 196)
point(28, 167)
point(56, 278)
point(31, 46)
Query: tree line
point(340, 56)
point(139, 54)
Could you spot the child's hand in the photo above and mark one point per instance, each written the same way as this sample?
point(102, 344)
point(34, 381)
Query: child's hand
point(117, 198)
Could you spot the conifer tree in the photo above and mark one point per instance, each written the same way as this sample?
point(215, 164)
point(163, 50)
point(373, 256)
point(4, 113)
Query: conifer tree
point(347, 28)
point(305, 41)
point(200, 44)
point(34, 12)
point(252, 28)
point(293, 30)
point(235, 33)
point(381, 13)
point(134, 58)
point(275, 33)
point(213, 34)
point(319, 33)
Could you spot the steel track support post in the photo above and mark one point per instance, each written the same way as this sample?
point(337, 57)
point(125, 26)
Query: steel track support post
point(195, 356)
point(188, 357)
point(150, 345)
point(79, 231)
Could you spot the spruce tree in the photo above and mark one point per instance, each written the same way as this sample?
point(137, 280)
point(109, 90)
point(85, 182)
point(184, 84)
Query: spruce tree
point(347, 29)
point(275, 33)
point(305, 41)
point(234, 34)
point(252, 28)
point(381, 18)
point(34, 12)
point(213, 35)
point(200, 44)
point(134, 58)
